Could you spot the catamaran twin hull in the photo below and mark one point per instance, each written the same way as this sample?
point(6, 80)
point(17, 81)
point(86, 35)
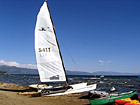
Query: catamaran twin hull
point(49, 59)
point(76, 88)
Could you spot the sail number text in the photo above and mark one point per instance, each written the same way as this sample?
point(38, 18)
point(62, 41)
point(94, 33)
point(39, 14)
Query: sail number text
point(44, 49)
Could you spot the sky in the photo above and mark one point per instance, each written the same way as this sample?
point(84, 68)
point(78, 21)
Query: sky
point(94, 35)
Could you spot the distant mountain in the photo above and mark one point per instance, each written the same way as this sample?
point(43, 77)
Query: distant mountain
point(107, 73)
point(68, 72)
point(113, 73)
point(17, 70)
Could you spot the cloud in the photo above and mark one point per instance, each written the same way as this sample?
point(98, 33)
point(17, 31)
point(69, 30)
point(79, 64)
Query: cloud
point(13, 63)
point(102, 62)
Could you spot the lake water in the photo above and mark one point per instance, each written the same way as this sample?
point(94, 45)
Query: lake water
point(121, 83)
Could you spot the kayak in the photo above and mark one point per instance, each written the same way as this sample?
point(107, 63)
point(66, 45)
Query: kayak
point(128, 101)
point(111, 98)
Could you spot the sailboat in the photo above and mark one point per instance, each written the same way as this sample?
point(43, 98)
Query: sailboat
point(49, 59)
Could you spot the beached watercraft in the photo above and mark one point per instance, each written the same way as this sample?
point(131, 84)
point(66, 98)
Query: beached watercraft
point(104, 99)
point(128, 101)
point(49, 60)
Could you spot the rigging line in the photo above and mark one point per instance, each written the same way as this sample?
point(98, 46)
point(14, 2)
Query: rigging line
point(77, 67)
point(74, 62)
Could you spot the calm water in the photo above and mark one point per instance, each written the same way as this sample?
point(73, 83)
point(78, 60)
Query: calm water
point(121, 83)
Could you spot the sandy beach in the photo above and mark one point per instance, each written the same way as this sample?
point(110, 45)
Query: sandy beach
point(9, 95)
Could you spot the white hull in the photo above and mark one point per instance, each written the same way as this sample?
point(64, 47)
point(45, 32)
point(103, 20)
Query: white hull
point(77, 88)
point(40, 87)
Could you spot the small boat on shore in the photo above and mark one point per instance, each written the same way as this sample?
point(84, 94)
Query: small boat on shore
point(103, 99)
point(49, 60)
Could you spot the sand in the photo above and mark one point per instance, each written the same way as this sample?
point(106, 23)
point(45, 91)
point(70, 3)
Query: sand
point(9, 95)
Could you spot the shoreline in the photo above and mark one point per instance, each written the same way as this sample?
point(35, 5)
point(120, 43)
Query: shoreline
point(9, 96)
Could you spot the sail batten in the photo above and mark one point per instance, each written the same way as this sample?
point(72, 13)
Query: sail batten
point(48, 56)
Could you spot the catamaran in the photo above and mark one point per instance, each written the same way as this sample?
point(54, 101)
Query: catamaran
point(49, 59)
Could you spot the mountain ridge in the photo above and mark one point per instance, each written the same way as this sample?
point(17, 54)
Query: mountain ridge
point(18, 70)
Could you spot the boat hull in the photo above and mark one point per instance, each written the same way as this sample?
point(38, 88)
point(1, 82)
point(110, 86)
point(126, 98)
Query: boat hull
point(76, 88)
point(40, 86)
point(111, 99)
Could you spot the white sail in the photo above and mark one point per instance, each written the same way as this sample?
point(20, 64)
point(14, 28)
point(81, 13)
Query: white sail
point(49, 62)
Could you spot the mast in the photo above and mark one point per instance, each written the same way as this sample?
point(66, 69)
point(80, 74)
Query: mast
point(57, 44)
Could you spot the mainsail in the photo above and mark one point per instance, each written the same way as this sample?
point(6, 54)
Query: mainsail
point(49, 60)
